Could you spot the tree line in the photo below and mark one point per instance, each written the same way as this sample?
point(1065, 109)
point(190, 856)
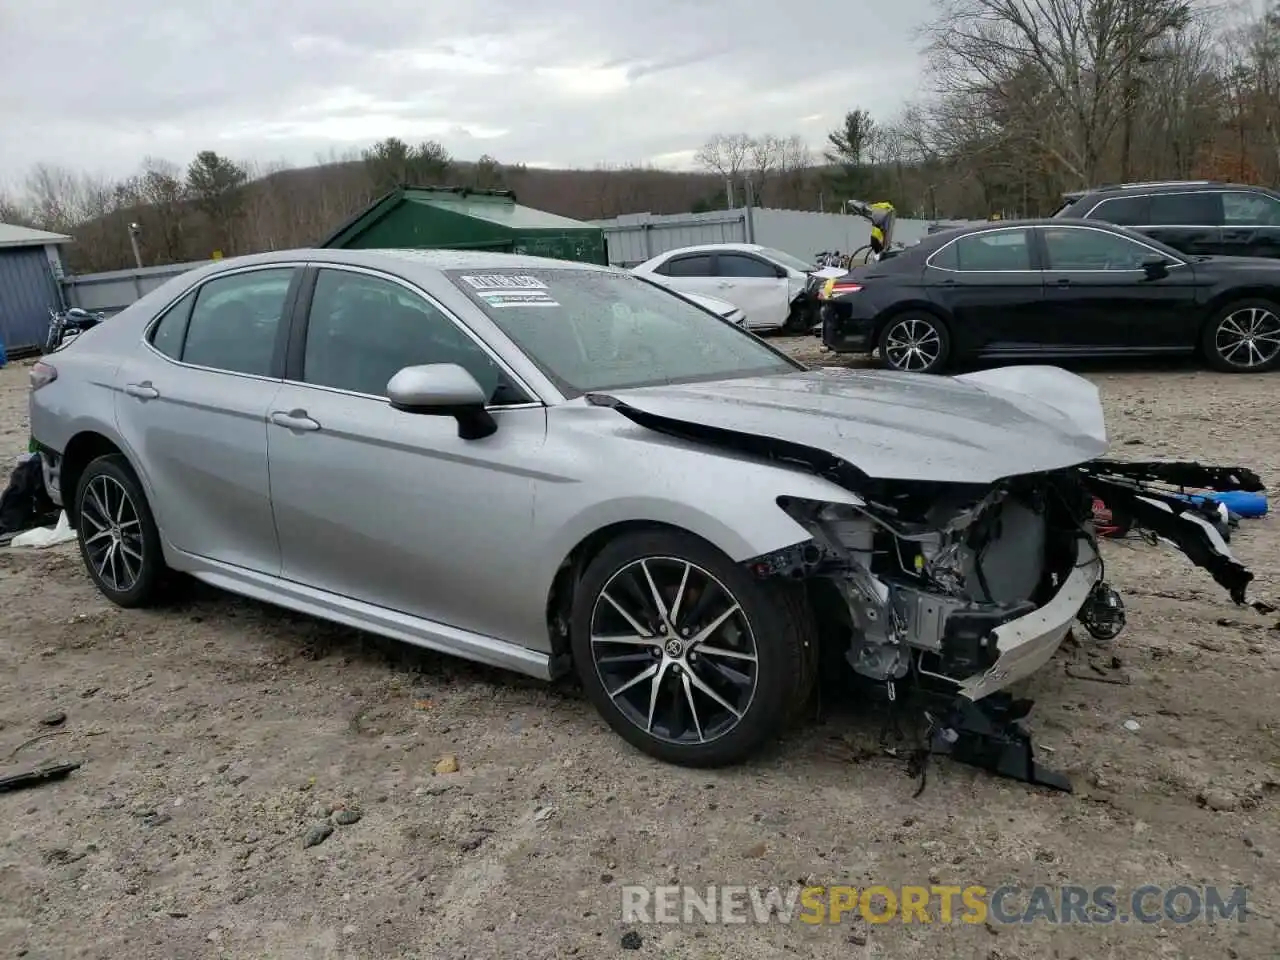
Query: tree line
point(1027, 99)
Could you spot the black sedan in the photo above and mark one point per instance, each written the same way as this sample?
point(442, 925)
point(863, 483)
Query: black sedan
point(1048, 288)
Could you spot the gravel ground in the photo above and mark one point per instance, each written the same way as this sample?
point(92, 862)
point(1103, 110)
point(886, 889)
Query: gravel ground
point(217, 734)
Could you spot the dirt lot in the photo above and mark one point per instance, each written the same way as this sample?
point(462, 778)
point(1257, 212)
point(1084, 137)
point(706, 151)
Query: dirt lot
point(216, 734)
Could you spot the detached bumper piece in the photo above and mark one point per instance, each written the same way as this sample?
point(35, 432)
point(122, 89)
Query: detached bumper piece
point(988, 734)
point(1152, 495)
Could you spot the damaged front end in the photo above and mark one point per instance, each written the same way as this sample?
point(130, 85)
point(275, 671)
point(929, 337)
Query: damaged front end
point(968, 589)
point(961, 588)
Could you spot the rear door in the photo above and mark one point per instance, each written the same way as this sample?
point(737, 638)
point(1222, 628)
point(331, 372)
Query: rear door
point(754, 286)
point(1250, 224)
point(193, 407)
point(1190, 222)
point(690, 273)
point(991, 284)
point(1098, 296)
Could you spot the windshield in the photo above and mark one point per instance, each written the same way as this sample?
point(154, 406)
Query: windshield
point(591, 330)
point(787, 260)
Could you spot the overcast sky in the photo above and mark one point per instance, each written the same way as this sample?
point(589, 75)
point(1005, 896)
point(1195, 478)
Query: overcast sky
point(547, 82)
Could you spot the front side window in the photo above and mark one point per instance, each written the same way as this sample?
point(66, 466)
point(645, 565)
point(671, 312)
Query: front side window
point(236, 319)
point(695, 266)
point(597, 330)
point(738, 265)
point(362, 330)
point(1076, 249)
point(787, 260)
point(995, 251)
point(1202, 209)
point(1250, 210)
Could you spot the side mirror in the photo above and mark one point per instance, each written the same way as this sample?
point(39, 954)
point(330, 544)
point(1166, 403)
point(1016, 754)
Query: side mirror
point(443, 390)
point(1155, 268)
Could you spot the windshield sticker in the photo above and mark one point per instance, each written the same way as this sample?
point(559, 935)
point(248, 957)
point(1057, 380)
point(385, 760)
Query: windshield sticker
point(516, 298)
point(504, 282)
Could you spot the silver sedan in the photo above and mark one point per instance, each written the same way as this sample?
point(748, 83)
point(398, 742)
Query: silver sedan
point(552, 467)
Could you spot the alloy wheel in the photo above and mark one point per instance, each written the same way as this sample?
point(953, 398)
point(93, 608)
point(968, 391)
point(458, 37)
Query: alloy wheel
point(912, 345)
point(1248, 337)
point(112, 533)
point(674, 650)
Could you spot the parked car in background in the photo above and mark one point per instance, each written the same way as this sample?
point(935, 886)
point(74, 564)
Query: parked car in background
point(1054, 288)
point(554, 467)
point(1195, 217)
point(770, 286)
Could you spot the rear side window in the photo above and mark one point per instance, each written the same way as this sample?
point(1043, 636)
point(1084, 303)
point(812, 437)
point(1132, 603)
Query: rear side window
point(698, 266)
point(1203, 209)
point(999, 250)
point(234, 322)
point(1124, 211)
point(168, 334)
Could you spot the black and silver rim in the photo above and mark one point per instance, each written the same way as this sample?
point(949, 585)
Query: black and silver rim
point(112, 533)
point(912, 345)
point(674, 650)
point(1248, 337)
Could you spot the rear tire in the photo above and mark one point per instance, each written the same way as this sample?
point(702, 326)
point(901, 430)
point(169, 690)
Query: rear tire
point(710, 708)
point(1243, 337)
point(915, 341)
point(118, 537)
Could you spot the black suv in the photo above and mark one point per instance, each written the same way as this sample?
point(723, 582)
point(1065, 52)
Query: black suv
point(1194, 216)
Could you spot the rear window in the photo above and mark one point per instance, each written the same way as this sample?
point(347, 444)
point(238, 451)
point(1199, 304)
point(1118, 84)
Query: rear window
point(1124, 211)
point(599, 330)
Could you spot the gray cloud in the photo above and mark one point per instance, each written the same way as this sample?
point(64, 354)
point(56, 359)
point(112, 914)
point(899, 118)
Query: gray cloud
point(564, 82)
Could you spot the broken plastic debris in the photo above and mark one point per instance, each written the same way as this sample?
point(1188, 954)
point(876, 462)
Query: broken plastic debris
point(1133, 726)
point(46, 536)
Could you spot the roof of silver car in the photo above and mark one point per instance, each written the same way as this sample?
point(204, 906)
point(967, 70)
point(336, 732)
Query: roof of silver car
point(431, 259)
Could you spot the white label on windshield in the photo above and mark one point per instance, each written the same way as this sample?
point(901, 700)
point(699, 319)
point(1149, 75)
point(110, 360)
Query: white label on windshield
point(516, 298)
point(504, 282)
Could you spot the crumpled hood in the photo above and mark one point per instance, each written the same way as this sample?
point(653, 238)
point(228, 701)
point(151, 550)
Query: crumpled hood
point(974, 428)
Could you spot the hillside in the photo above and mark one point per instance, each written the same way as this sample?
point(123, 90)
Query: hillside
point(301, 206)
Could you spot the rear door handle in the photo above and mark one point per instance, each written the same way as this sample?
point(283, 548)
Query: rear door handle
point(294, 420)
point(1064, 282)
point(143, 391)
point(724, 284)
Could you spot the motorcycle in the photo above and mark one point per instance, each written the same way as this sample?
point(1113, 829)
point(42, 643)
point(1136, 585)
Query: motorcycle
point(66, 325)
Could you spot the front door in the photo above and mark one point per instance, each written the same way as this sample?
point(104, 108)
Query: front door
point(192, 404)
point(1250, 225)
point(393, 508)
point(753, 286)
point(1098, 296)
point(992, 287)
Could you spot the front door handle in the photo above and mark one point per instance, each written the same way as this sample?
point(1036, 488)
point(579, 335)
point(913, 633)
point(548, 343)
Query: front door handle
point(724, 284)
point(294, 420)
point(143, 391)
point(1064, 282)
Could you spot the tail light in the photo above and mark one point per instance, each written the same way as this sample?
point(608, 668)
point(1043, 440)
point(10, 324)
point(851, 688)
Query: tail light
point(42, 374)
point(834, 289)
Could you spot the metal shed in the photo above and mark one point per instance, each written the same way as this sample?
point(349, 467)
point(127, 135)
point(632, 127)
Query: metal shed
point(30, 269)
point(461, 219)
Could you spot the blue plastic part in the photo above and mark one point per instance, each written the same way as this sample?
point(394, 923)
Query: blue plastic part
point(1240, 502)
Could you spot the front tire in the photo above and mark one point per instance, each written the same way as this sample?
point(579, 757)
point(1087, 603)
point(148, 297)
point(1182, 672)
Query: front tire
point(915, 342)
point(687, 656)
point(119, 540)
point(1243, 337)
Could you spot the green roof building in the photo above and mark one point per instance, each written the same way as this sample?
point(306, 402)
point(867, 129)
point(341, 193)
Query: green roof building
point(456, 218)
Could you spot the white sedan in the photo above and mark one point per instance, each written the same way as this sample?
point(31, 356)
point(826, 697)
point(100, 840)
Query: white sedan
point(767, 285)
